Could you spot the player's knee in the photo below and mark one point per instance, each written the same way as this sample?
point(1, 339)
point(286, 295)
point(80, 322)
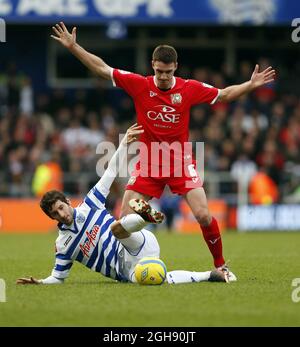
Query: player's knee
point(118, 231)
point(203, 216)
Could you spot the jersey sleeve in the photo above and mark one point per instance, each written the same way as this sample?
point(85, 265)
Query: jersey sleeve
point(96, 197)
point(132, 83)
point(52, 280)
point(201, 93)
point(62, 266)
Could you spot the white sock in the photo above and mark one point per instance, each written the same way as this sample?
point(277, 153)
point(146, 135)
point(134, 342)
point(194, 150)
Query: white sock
point(133, 222)
point(133, 242)
point(181, 276)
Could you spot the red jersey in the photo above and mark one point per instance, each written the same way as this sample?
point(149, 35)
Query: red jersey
point(164, 115)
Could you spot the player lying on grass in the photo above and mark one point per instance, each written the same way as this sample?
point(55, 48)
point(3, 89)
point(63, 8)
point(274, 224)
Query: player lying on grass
point(91, 236)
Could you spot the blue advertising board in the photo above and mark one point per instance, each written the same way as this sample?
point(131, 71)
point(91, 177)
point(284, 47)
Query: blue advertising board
point(252, 12)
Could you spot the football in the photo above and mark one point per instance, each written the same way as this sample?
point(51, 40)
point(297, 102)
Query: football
point(150, 270)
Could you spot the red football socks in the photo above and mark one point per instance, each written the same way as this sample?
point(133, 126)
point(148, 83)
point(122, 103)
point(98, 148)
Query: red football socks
point(213, 240)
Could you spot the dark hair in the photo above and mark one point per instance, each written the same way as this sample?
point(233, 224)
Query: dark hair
point(49, 199)
point(164, 53)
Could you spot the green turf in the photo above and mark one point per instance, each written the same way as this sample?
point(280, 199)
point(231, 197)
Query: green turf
point(265, 263)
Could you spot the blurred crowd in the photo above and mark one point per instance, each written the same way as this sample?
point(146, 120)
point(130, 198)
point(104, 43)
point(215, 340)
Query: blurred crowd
point(259, 132)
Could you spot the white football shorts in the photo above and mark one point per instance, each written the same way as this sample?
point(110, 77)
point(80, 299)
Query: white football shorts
point(129, 257)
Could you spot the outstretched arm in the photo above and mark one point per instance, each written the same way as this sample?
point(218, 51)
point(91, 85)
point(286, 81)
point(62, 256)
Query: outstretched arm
point(91, 61)
point(97, 195)
point(119, 158)
point(257, 80)
point(59, 273)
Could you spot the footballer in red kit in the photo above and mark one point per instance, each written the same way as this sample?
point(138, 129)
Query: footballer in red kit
point(162, 104)
point(164, 115)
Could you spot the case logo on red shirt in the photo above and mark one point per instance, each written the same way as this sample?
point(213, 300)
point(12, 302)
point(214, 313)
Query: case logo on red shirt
point(165, 114)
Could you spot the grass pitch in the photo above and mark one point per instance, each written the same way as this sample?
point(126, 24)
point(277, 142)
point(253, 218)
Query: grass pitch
point(265, 263)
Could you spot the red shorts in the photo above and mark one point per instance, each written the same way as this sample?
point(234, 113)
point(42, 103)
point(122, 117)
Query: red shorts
point(154, 186)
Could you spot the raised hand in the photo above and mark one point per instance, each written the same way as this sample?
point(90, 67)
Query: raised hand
point(133, 132)
point(30, 280)
point(63, 36)
point(260, 78)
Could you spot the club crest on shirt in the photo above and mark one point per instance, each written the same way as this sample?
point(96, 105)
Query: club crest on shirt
point(176, 98)
point(131, 180)
point(80, 218)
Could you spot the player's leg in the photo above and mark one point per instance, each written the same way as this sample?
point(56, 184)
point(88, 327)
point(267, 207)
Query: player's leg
point(139, 187)
point(196, 199)
point(150, 248)
point(183, 276)
point(144, 244)
point(144, 209)
point(127, 228)
point(129, 195)
point(190, 186)
point(127, 231)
